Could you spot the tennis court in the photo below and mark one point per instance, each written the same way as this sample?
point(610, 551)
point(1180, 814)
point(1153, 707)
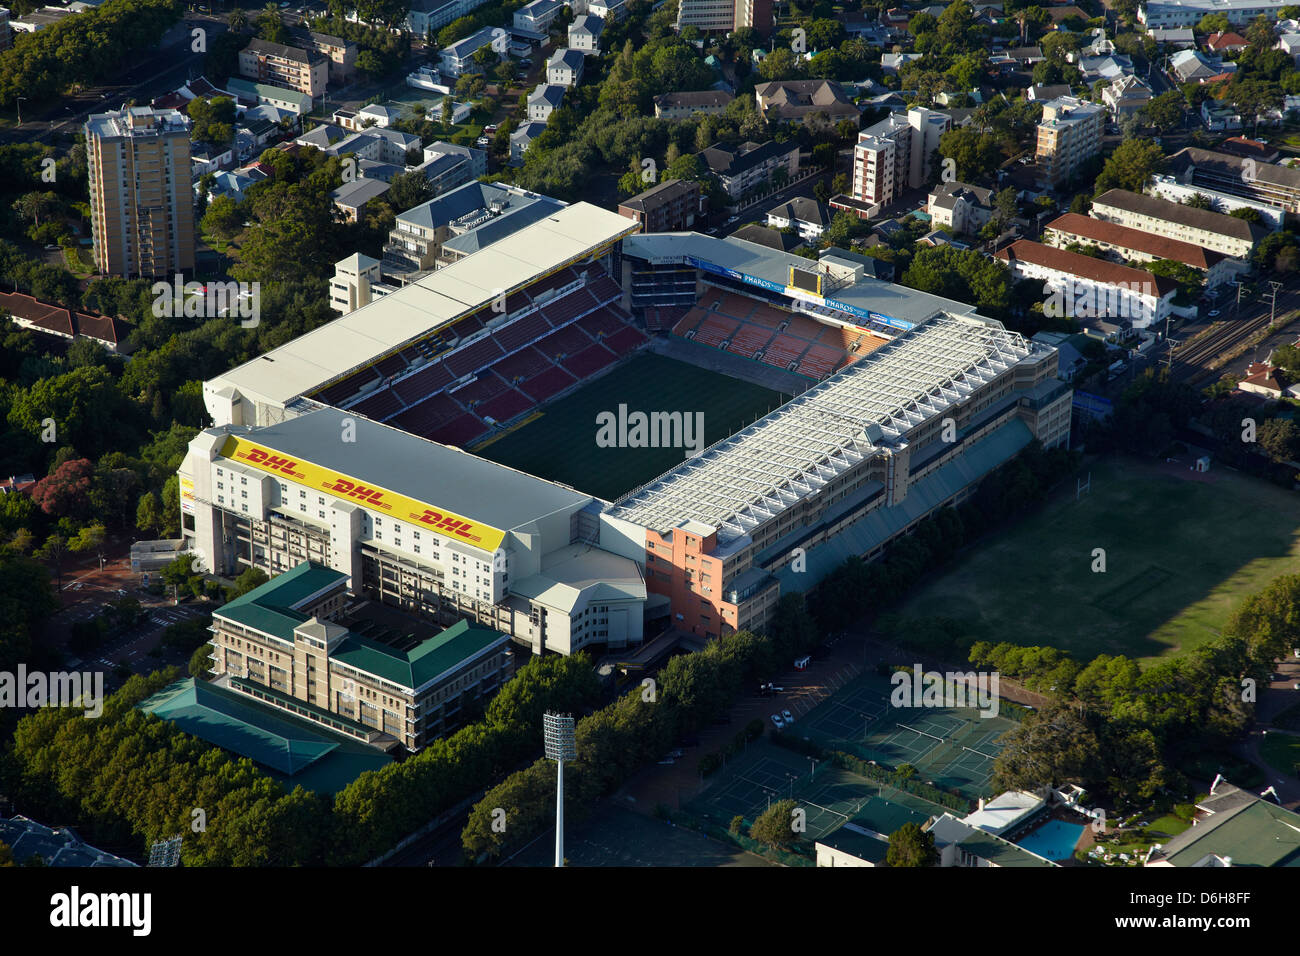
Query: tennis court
point(952, 747)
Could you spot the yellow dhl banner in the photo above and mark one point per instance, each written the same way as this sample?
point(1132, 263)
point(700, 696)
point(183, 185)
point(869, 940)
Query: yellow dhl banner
point(381, 500)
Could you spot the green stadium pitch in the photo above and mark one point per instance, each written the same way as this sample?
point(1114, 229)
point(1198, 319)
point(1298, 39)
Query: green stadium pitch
point(560, 443)
point(1182, 551)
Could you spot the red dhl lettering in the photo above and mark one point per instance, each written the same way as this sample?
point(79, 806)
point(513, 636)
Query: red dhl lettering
point(435, 520)
point(353, 490)
point(274, 462)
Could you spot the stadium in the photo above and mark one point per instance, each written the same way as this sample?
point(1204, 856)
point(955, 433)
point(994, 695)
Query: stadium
point(839, 411)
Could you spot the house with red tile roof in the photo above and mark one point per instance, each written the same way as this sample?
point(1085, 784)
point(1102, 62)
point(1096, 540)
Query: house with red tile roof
point(50, 319)
point(1226, 43)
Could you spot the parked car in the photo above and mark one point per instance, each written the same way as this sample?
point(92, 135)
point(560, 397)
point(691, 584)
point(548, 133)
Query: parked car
point(777, 722)
point(789, 717)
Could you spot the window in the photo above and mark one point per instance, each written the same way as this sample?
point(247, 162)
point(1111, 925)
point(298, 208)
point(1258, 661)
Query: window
point(302, 494)
point(321, 513)
point(243, 480)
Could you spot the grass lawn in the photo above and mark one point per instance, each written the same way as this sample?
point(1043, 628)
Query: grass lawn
point(1180, 555)
point(1281, 752)
point(560, 444)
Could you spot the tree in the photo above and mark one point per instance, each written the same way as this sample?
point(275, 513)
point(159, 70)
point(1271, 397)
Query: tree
point(1280, 438)
point(201, 662)
point(408, 190)
point(774, 825)
point(89, 540)
point(1130, 166)
point(975, 153)
point(248, 579)
point(66, 491)
point(148, 513)
point(32, 206)
point(1051, 746)
point(54, 550)
point(1166, 111)
point(222, 218)
point(909, 845)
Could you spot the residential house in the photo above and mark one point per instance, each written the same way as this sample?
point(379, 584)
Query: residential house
point(821, 102)
point(1219, 115)
point(1180, 38)
point(47, 318)
point(1126, 96)
point(1233, 827)
point(457, 58)
point(696, 102)
point(537, 16)
point(584, 33)
point(521, 137)
point(352, 198)
point(545, 100)
point(565, 67)
point(1193, 66)
point(960, 207)
point(1221, 43)
point(807, 217)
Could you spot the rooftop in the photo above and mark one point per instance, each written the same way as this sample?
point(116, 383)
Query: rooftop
point(1202, 219)
point(473, 487)
point(422, 664)
point(1198, 257)
point(359, 338)
point(1086, 267)
point(749, 478)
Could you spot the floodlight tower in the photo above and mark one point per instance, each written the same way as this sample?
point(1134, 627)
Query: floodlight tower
point(560, 746)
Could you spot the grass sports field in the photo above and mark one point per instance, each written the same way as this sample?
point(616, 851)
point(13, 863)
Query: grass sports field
point(1181, 553)
point(560, 444)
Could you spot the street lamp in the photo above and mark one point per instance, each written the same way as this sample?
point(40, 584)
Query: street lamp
point(19, 102)
point(558, 730)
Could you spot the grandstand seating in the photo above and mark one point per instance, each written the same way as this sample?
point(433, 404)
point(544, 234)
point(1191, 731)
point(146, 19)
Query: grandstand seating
point(461, 431)
point(515, 335)
point(429, 415)
point(379, 405)
point(479, 355)
point(605, 290)
point(589, 361)
point(509, 404)
point(481, 389)
point(424, 382)
point(820, 361)
point(783, 350)
point(625, 340)
point(749, 340)
point(564, 310)
point(390, 365)
point(551, 282)
point(341, 391)
point(604, 321)
point(551, 382)
point(804, 327)
point(566, 341)
point(715, 330)
point(523, 364)
point(662, 320)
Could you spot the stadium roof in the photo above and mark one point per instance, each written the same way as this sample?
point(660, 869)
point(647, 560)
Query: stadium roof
point(748, 479)
point(407, 465)
point(773, 266)
point(386, 324)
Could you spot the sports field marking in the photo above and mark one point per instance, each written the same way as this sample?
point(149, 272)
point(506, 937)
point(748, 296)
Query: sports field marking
point(921, 732)
point(984, 755)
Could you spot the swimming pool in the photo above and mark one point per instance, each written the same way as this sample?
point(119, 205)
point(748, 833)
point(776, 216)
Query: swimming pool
point(1054, 840)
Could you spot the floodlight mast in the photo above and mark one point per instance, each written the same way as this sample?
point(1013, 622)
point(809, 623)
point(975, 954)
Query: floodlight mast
point(561, 745)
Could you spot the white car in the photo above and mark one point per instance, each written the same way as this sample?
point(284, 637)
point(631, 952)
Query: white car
point(777, 721)
point(1214, 313)
point(789, 717)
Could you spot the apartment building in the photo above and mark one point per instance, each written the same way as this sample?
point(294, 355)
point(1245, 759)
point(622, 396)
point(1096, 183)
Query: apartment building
point(538, 15)
point(284, 644)
point(1083, 288)
point(1188, 13)
point(713, 16)
point(1137, 245)
point(695, 102)
point(1245, 177)
point(341, 54)
point(141, 204)
point(1233, 237)
point(291, 68)
point(745, 167)
point(1069, 135)
point(605, 9)
point(896, 154)
point(672, 206)
point(1164, 186)
point(458, 57)
point(438, 232)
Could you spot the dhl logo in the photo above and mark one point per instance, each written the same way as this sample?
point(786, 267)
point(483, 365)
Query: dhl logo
point(371, 496)
point(457, 527)
point(273, 462)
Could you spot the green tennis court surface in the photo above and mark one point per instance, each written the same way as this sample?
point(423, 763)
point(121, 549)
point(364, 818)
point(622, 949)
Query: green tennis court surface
point(561, 444)
point(952, 747)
